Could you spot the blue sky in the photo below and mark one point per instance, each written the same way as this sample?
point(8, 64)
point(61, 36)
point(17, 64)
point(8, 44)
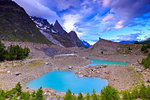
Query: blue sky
point(115, 20)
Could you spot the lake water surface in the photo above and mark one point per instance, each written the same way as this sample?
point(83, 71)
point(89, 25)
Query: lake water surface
point(61, 81)
point(105, 62)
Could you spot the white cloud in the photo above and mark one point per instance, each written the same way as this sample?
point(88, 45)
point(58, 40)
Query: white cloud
point(35, 8)
point(70, 21)
point(106, 3)
point(119, 24)
point(65, 4)
point(108, 17)
point(80, 34)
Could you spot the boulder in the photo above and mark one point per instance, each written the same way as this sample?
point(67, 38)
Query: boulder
point(148, 80)
point(8, 71)
point(18, 73)
point(80, 76)
point(139, 70)
point(98, 67)
point(46, 63)
point(70, 67)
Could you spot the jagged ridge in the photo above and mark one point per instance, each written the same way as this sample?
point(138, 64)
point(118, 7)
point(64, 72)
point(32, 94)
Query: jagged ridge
point(57, 32)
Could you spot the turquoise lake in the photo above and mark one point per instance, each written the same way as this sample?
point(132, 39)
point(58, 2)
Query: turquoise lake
point(61, 81)
point(105, 62)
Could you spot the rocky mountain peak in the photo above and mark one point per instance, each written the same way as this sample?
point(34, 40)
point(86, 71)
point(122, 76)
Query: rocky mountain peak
point(75, 39)
point(58, 28)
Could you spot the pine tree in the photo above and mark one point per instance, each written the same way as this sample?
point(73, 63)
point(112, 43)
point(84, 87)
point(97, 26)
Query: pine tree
point(39, 94)
point(2, 94)
point(33, 96)
point(80, 96)
point(68, 95)
point(94, 96)
point(109, 93)
point(126, 95)
point(25, 96)
point(2, 52)
point(14, 97)
point(18, 88)
point(87, 96)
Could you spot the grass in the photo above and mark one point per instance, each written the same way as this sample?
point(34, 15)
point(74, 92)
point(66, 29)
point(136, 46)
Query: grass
point(128, 48)
point(36, 63)
point(137, 77)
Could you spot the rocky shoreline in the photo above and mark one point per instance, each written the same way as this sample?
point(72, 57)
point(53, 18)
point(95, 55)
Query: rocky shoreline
point(120, 77)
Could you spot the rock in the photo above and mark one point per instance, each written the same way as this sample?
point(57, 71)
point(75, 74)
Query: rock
point(106, 72)
point(118, 48)
point(46, 93)
point(48, 90)
point(52, 91)
point(139, 70)
point(70, 67)
point(98, 67)
point(18, 73)
point(87, 58)
point(80, 76)
point(105, 66)
point(92, 69)
point(8, 71)
point(148, 80)
point(46, 63)
point(27, 87)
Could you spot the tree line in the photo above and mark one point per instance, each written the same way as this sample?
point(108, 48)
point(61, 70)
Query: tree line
point(17, 94)
point(107, 93)
point(13, 52)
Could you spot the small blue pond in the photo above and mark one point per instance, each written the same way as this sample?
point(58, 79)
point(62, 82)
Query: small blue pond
point(61, 81)
point(105, 62)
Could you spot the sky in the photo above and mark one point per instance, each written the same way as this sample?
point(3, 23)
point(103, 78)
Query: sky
point(116, 20)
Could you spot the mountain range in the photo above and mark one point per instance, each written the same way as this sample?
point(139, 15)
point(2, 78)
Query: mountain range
point(56, 34)
point(17, 25)
point(128, 42)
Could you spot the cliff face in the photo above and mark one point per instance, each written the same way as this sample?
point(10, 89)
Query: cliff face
point(56, 33)
point(16, 25)
point(75, 39)
point(58, 28)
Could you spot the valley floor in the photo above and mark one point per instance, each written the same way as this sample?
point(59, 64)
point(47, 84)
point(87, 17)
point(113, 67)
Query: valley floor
point(43, 60)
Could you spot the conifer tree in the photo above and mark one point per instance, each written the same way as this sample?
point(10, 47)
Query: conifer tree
point(39, 94)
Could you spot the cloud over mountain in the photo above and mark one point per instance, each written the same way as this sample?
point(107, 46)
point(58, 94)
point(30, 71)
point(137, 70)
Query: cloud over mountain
point(88, 17)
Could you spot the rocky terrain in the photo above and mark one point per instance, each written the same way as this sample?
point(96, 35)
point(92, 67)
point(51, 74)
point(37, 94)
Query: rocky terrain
point(56, 34)
point(109, 47)
point(43, 59)
point(53, 45)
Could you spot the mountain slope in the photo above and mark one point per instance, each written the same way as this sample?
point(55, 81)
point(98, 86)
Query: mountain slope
point(109, 47)
point(46, 29)
point(58, 28)
point(56, 33)
point(75, 39)
point(16, 25)
point(85, 44)
point(128, 42)
point(145, 41)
